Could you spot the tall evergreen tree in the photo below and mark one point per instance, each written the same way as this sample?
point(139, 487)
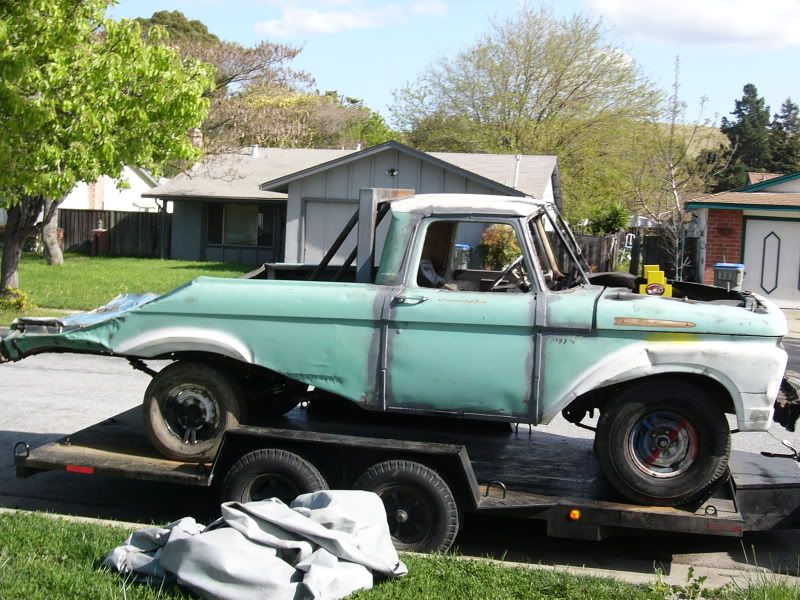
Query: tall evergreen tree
point(748, 133)
point(785, 139)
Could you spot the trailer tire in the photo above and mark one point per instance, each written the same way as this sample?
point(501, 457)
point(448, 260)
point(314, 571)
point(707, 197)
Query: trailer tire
point(421, 510)
point(271, 473)
point(188, 406)
point(664, 444)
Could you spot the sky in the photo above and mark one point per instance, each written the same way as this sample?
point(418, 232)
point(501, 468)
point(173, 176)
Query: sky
point(368, 48)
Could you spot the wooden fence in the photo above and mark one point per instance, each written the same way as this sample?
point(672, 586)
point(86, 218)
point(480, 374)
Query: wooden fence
point(600, 252)
point(135, 234)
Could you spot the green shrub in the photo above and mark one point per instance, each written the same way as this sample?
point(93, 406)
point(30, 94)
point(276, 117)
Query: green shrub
point(15, 299)
point(499, 246)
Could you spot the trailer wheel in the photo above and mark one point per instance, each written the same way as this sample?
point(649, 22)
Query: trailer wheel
point(271, 473)
point(420, 508)
point(187, 408)
point(666, 444)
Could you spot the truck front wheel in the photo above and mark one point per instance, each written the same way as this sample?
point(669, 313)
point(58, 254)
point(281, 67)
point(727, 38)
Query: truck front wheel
point(664, 443)
point(187, 408)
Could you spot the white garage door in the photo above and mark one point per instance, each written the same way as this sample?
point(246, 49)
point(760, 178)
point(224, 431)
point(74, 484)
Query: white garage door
point(772, 260)
point(324, 220)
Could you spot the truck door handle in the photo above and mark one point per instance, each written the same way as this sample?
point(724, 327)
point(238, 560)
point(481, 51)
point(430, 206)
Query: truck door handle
point(410, 299)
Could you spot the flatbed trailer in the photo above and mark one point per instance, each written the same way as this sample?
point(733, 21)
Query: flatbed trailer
point(489, 468)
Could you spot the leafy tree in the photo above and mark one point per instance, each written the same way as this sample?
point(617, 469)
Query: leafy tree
point(260, 99)
point(784, 139)
point(81, 96)
point(748, 133)
point(180, 28)
point(535, 84)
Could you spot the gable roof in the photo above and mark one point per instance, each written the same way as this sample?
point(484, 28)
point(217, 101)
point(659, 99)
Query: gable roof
point(767, 183)
point(743, 200)
point(759, 177)
point(495, 171)
point(239, 175)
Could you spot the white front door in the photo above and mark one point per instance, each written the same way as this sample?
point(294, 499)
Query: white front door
point(772, 260)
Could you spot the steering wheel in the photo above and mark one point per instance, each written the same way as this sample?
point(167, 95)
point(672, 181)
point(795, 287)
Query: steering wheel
point(506, 272)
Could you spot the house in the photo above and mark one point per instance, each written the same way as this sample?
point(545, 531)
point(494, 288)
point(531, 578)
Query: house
point(287, 205)
point(105, 194)
point(758, 225)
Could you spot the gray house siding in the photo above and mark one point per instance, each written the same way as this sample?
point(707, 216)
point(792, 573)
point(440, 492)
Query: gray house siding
point(311, 225)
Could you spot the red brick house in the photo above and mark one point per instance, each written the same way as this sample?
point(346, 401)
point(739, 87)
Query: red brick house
point(758, 225)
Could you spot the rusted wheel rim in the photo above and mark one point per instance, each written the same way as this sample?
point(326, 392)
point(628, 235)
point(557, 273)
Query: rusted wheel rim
point(663, 444)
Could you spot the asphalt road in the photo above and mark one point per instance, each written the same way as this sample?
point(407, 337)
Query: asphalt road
point(46, 397)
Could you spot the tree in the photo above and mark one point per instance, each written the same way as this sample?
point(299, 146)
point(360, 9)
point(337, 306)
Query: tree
point(784, 139)
point(748, 133)
point(535, 84)
point(670, 170)
point(180, 28)
point(259, 98)
point(81, 96)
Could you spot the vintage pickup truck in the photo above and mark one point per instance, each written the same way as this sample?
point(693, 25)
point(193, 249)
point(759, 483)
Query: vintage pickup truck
point(425, 335)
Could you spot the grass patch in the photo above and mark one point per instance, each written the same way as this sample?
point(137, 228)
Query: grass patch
point(83, 283)
point(44, 558)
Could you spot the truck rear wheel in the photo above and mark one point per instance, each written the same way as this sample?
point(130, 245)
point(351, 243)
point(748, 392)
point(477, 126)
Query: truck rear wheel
point(271, 473)
point(420, 508)
point(187, 408)
point(665, 444)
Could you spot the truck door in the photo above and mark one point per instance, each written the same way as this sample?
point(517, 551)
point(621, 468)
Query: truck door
point(460, 332)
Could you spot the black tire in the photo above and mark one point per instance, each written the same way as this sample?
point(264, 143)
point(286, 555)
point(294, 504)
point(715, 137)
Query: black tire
point(663, 443)
point(420, 508)
point(187, 408)
point(271, 473)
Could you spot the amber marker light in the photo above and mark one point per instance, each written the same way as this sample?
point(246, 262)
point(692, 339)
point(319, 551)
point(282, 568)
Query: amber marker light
point(574, 515)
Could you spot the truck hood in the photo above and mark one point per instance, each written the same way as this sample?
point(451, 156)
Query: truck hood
point(620, 309)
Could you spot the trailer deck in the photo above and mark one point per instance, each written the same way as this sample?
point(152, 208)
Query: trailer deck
point(504, 470)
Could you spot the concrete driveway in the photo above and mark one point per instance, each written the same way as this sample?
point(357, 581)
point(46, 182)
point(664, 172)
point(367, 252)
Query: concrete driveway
point(46, 397)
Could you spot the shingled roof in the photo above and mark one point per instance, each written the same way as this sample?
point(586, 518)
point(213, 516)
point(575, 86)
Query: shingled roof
point(266, 174)
point(743, 200)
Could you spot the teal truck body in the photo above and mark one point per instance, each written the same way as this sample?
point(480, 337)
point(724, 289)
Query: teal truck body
point(523, 344)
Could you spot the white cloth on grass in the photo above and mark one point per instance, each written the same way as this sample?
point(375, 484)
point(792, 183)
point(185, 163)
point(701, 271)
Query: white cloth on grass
point(325, 545)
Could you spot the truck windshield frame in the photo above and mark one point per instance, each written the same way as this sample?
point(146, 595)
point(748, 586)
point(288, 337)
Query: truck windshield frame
point(560, 276)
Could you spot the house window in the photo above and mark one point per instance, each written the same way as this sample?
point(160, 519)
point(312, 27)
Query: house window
point(240, 224)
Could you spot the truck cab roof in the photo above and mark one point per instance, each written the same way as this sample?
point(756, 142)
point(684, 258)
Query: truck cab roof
point(469, 204)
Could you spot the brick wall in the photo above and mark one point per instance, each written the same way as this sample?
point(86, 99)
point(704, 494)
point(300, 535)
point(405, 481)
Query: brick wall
point(724, 239)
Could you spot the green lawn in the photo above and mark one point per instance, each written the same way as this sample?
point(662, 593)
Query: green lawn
point(83, 283)
point(44, 558)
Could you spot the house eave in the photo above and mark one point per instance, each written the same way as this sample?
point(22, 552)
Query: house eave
point(719, 205)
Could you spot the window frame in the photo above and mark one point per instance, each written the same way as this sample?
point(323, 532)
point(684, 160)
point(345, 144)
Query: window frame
point(259, 205)
point(418, 243)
